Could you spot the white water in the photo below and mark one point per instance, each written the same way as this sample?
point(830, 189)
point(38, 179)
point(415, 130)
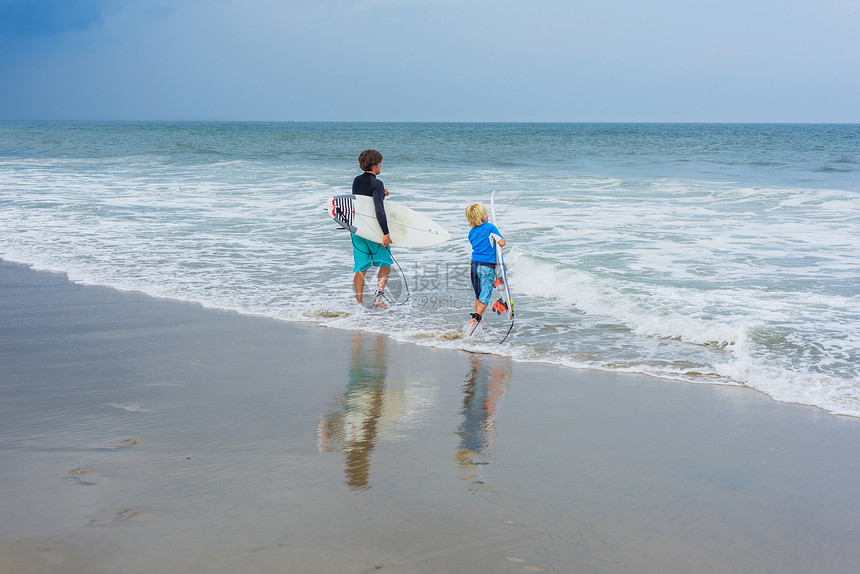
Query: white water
point(696, 279)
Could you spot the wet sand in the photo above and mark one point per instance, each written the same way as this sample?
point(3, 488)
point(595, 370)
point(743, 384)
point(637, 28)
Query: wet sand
point(140, 435)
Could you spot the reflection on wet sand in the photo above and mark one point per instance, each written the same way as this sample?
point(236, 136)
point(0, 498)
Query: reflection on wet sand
point(353, 428)
point(486, 383)
point(371, 408)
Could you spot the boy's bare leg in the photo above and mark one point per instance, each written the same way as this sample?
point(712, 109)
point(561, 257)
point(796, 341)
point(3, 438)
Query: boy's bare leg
point(474, 320)
point(479, 307)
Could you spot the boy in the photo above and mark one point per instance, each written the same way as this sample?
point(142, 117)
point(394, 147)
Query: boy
point(483, 237)
point(367, 254)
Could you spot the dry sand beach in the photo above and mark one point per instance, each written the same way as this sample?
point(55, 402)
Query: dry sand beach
point(142, 435)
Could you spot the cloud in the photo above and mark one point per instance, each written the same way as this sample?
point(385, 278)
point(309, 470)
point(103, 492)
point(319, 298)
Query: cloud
point(27, 18)
point(421, 60)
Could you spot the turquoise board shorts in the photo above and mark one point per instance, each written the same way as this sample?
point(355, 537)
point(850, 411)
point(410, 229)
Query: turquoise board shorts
point(367, 254)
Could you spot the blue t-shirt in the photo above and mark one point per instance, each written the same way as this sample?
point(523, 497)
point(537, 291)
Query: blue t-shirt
point(482, 249)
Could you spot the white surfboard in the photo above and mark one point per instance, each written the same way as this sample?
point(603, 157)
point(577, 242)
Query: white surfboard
point(407, 227)
point(501, 274)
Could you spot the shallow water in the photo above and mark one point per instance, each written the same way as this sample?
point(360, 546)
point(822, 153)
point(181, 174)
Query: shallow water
point(703, 253)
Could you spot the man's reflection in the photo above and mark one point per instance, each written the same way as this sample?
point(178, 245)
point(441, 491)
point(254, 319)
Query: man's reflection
point(353, 428)
point(485, 384)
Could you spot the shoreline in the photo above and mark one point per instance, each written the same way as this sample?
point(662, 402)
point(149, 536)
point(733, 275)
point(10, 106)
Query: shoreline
point(152, 435)
point(557, 363)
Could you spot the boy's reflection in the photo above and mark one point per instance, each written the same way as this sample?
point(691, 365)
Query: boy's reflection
point(484, 387)
point(353, 428)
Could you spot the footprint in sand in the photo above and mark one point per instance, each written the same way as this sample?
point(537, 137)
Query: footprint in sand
point(131, 407)
point(515, 560)
point(126, 514)
point(50, 555)
point(83, 476)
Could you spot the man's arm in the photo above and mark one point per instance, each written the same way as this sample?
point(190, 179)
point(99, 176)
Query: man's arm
point(379, 192)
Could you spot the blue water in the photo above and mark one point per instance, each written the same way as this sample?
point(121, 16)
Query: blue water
point(719, 254)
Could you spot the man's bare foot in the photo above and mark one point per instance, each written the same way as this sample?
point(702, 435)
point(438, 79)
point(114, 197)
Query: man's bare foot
point(379, 300)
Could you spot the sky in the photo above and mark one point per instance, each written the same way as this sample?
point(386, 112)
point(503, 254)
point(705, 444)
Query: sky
point(431, 60)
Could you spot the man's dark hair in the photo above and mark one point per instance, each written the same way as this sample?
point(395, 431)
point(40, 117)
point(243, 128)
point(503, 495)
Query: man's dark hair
point(368, 159)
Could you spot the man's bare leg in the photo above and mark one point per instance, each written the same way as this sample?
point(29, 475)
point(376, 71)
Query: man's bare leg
point(381, 282)
point(358, 280)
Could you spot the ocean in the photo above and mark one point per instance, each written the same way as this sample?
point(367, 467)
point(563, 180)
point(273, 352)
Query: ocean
point(703, 253)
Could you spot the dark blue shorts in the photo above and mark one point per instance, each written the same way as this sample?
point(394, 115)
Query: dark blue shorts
point(483, 275)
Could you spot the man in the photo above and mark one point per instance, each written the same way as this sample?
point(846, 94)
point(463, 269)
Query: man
point(367, 254)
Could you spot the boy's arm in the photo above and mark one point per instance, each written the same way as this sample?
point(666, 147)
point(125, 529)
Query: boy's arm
point(496, 236)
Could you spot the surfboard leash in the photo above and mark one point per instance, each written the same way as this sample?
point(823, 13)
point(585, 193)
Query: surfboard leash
point(472, 332)
point(478, 320)
point(402, 274)
point(511, 328)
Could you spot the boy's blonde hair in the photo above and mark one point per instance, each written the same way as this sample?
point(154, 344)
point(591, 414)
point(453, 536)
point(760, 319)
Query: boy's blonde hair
point(476, 213)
